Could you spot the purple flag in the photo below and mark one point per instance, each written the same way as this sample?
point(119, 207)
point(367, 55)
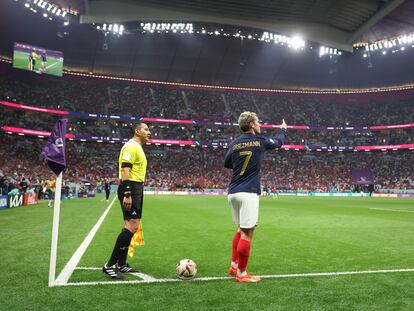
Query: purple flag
point(53, 153)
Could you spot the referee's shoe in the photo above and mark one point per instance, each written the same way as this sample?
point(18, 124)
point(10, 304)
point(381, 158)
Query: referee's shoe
point(113, 272)
point(127, 269)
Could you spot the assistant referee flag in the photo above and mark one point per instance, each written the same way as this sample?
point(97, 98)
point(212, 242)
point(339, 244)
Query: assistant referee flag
point(53, 153)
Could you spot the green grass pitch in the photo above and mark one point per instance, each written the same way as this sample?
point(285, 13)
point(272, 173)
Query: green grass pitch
point(21, 60)
point(295, 235)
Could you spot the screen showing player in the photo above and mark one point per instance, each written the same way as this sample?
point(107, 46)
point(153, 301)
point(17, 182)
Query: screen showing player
point(37, 59)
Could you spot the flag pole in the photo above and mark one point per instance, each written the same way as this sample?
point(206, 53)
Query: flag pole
point(55, 230)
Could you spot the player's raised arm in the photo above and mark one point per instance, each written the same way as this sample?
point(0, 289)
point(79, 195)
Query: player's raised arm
point(283, 126)
point(272, 143)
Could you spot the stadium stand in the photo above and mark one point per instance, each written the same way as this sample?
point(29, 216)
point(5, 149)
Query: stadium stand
point(172, 168)
point(175, 168)
point(138, 100)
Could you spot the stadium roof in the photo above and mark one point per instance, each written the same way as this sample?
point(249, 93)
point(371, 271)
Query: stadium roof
point(219, 60)
point(335, 23)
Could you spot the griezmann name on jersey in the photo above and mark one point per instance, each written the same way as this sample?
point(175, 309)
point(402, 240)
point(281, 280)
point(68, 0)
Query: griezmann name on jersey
point(245, 156)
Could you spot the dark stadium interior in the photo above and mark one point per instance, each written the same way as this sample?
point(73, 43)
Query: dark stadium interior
point(222, 61)
point(225, 60)
point(143, 142)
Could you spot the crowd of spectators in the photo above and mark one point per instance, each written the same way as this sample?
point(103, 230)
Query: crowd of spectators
point(175, 168)
point(115, 128)
point(123, 98)
point(201, 168)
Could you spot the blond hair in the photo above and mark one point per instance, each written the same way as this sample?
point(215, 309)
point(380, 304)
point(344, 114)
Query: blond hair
point(245, 119)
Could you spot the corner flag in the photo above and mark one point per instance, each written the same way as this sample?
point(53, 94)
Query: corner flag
point(53, 153)
point(137, 240)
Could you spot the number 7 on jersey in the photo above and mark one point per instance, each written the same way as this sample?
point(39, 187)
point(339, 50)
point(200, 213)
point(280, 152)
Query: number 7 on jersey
point(248, 155)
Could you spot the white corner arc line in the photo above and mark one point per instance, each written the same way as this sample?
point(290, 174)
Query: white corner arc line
point(145, 277)
point(274, 276)
point(67, 271)
point(391, 210)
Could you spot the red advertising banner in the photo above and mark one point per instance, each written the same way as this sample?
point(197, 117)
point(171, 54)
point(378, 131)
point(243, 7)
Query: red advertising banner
point(30, 199)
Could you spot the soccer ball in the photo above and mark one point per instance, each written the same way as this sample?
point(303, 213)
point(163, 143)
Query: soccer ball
point(186, 269)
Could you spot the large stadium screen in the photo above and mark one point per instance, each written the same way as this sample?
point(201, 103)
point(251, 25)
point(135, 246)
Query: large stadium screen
point(37, 59)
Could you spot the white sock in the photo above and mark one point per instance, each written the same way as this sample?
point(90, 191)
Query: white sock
point(234, 264)
point(239, 273)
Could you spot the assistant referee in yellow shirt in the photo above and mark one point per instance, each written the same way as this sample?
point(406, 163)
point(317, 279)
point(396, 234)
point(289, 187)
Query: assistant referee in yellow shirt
point(132, 169)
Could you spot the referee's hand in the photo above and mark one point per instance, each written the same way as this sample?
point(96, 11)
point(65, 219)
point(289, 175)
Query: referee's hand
point(127, 203)
point(283, 125)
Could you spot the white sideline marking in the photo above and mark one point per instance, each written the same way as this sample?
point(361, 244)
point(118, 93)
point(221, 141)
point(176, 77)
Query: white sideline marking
point(392, 210)
point(274, 276)
point(145, 277)
point(67, 271)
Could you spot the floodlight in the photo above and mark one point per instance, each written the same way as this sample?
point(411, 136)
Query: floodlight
point(297, 42)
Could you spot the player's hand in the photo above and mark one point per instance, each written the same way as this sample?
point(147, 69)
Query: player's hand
point(283, 125)
point(127, 203)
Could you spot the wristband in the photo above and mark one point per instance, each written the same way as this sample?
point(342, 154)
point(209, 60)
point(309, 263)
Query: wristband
point(126, 184)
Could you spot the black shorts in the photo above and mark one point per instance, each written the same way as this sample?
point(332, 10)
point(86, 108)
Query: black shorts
point(137, 195)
